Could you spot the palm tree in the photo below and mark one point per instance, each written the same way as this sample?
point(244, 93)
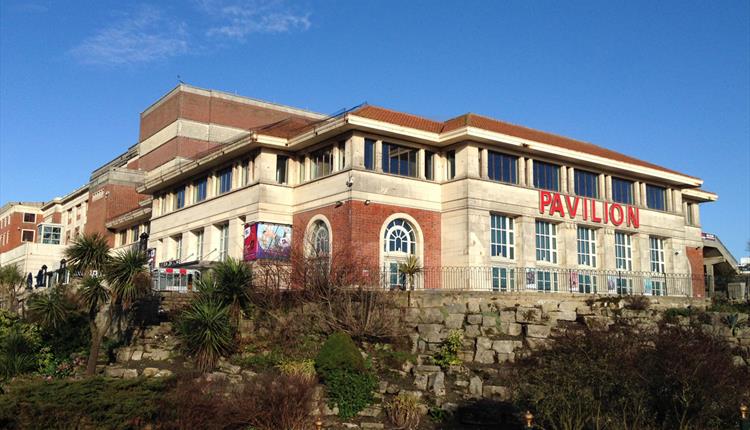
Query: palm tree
point(206, 330)
point(49, 309)
point(232, 279)
point(128, 277)
point(88, 253)
point(94, 296)
point(410, 268)
point(10, 278)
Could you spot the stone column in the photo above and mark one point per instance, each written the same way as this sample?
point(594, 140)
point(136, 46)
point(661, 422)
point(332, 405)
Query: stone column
point(696, 214)
point(637, 193)
point(236, 227)
point(710, 279)
point(643, 194)
point(608, 185)
point(522, 171)
point(468, 158)
point(571, 180)
point(677, 198)
point(529, 172)
point(485, 159)
point(421, 164)
point(378, 156)
point(602, 185)
point(336, 158)
point(669, 202)
point(564, 180)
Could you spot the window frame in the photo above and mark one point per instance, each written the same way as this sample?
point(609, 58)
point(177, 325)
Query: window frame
point(586, 246)
point(653, 194)
point(33, 235)
point(321, 157)
point(369, 156)
point(282, 169)
point(580, 187)
point(623, 251)
point(429, 165)
point(450, 165)
point(200, 185)
point(618, 187)
point(657, 261)
point(179, 197)
point(408, 158)
point(502, 236)
point(33, 217)
point(543, 174)
point(547, 254)
point(502, 167)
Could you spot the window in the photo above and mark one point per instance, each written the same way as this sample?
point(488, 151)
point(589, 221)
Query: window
point(281, 166)
point(27, 235)
point(546, 242)
point(586, 184)
point(78, 212)
point(546, 280)
point(301, 161)
point(689, 219)
point(225, 180)
point(321, 162)
point(320, 242)
point(342, 155)
point(399, 160)
point(546, 176)
point(656, 247)
point(502, 167)
point(178, 247)
point(586, 283)
point(70, 215)
point(503, 279)
point(429, 170)
point(49, 233)
point(27, 217)
point(247, 172)
point(655, 197)
point(587, 246)
point(622, 191)
point(623, 252)
point(199, 245)
point(134, 234)
point(369, 154)
point(200, 189)
point(179, 198)
point(501, 236)
point(400, 237)
point(223, 242)
point(451, 158)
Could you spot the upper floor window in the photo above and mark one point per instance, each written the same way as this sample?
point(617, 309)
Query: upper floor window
point(623, 252)
point(134, 234)
point(247, 172)
point(655, 197)
point(342, 154)
point(50, 233)
point(502, 167)
point(282, 162)
point(429, 165)
point(622, 191)
point(399, 160)
point(587, 246)
point(501, 236)
point(321, 162)
point(656, 249)
point(27, 217)
point(201, 187)
point(225, 180)
point(369, 154)
point(586, 184)
point(179, 198)
point(689, 217)
point(451, 164)
point(546, 242)
point(27, 235)
point(546, 176)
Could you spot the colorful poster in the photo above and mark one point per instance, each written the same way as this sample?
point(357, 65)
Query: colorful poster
point(530, 280)
point(267, 241)
point(611, 284)
point(574, 282)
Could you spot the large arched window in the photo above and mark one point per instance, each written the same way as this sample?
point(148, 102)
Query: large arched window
point(318, 239)
point(400, 238)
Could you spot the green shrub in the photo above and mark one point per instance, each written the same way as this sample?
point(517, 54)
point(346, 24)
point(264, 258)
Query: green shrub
point(20, 344)
point(349, 382)
point(447, 355)
point(259, 361)
point(206, 331)
point(89, 403)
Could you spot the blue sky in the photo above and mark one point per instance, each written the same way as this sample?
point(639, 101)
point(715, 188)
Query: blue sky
point(668, 82)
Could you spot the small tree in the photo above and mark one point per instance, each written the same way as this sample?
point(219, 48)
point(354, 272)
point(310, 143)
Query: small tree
point(49, 309)
point(410, 268)
point(232, 279)
point(10, 279)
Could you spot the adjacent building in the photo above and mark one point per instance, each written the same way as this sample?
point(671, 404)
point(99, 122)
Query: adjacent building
point(479, 202)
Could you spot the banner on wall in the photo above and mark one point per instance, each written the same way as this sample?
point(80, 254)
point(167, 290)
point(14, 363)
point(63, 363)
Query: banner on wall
point(267, 241)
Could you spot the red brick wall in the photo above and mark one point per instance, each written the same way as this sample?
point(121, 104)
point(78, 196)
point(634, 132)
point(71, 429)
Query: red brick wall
point(15, 227)
point(695, 258)
point(177, 147)
point(117, 200)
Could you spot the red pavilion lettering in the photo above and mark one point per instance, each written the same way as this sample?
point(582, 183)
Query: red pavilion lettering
point(592, 210)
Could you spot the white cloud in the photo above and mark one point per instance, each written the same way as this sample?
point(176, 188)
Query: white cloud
point(142, 37)
point(239, 18)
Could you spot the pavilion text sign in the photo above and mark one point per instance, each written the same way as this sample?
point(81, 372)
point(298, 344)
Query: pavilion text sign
point(552, 204)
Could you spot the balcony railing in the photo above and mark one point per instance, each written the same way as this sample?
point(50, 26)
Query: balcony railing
point(514, 279)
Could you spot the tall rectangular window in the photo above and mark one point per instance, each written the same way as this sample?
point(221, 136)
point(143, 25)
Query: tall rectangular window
point(656, 249)
point(201, 186)
point(503, 279)
point(689, 219)
point(623, 252)
point(179, 198)
point(655, 197)
point(586, 184)
point(225, 180)
point(502, 167)
point(399, 160)
point(622, 191)
point(369, 154)
point(429, 171)
point(321, 162)
point(223, 242)
point(281, 166)
point(134, 234)
point(247, 172)
point(451, 164)
point(546, 176)
point(546, 281)
point(342, 154)
point(546, 242)
point(178, 247)
point(199, 245)
point(501, 236)
point(586, 246)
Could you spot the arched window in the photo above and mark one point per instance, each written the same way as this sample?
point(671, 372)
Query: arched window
point(320, 239)
point(400, 238)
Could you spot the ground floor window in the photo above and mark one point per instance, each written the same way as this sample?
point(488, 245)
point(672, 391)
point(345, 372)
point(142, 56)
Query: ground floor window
point(503, 279)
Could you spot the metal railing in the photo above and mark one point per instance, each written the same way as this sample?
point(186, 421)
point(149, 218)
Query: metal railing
point(507, 279)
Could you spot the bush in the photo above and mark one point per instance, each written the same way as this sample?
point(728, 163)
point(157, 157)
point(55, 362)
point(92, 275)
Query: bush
point(348, 381)
point(677, 378)
point(404, 411)
point(89, 403)
point(206, 331)
point(447, 355)
point(637, 303)
point(20, 344)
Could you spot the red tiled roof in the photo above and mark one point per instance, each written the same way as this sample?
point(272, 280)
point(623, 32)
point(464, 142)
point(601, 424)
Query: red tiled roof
point(489, 124)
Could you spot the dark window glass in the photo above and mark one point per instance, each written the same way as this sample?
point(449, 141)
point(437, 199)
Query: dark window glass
point(622, 191)
point(281, 163)
point(451, 156)
point(399, 160)
point(546, 176)
point(655, 197)
point(369, 154)
point(429, 157)
point(322, 162)
point(586, 184)
point(179, 201)
point(502, 167)
point(29, 217)
point(200, 189)
point(27, 236)
point(225, 181)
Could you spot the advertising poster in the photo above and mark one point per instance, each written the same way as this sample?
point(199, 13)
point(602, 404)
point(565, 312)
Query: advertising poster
point(250, 242)
point(573, 282)
point(267, 241)
point(530, 280)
